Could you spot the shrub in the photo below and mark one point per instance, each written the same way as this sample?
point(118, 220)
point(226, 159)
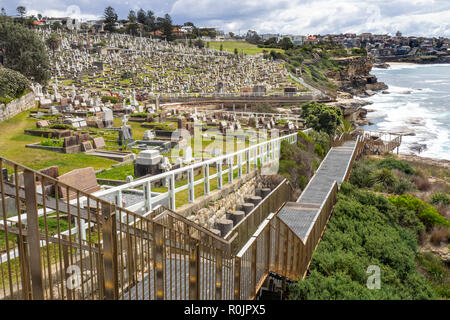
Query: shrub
point(421, 183)
point(402, 186)
point(140, 115)
point(361, 174)
point(427, 214)
point(321, 138)
point(439, 234)
point(112, 99)
point(12, 84)
point(61, 126)
point(440, 198)
point(160, 126)
point(361, 232)
point(392, 163)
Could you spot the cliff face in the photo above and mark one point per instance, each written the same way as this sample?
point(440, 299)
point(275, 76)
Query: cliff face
point(354, 76)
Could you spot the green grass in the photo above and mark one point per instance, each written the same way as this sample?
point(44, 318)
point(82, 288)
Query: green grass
point(118, 173)
point(12, 147)
point(247, 47)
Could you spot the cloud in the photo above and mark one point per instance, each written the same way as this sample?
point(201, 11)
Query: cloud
point(417, 17)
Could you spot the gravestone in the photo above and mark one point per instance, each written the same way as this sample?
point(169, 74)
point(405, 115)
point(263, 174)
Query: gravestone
point(42, 124)
point(86, 146)
point(147, 162)
point(148, 135)
point(82, 179)
point(71, 141)
point(187, 155)
point(99, 143)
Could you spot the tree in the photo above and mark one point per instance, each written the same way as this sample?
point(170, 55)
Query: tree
point(231, 34)
point(56, 25)
point(271, 41)
point(141, 16)
point(3, 12)
point(167, 27)
point(110, 17)
point(39, 16)
point(236, 52)
point(132, 16)
point(286, 43)
point(321, 117)
point(53, 42)
point(132, 29)
point(24, 51)
point(150, 21)
point(221, 47)
point(22, 11)
point(252, 37)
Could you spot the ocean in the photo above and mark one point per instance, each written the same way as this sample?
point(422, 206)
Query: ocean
point(418, 103)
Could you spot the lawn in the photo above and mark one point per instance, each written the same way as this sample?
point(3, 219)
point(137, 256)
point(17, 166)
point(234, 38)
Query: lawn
point(12, 147)
point(247, 47)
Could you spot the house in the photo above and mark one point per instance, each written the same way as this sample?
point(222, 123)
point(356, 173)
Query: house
point(403, 50)
point(69, 23)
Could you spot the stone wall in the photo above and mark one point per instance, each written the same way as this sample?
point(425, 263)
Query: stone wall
point(17, 106)
point(229, 198)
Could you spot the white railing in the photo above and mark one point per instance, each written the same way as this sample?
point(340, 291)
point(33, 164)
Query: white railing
point(260, 154)
point(247, 114)
point(230, 95)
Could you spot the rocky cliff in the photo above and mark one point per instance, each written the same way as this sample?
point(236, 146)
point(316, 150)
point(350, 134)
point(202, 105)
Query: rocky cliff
point(354, 76)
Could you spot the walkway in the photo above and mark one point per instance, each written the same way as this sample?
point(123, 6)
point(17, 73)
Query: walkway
point(301, 215)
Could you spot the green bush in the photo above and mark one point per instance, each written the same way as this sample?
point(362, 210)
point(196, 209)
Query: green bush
point(321, 117)
point(140, 115)
point(427, 213)
point(319, 150)
point(322, 139)
point(12, 85)
point(112, 99)
point(61, 126)
point(160, 126)
point(440, 198)
point(392, 163)
point(364, 231)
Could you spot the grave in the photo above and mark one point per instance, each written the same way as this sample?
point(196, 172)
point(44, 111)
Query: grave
point(82, 179)
point(147, 162)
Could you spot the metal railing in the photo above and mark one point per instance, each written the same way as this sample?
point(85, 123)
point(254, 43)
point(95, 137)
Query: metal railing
point(249, 158)
point(242, 231)
point(384, 142)
point(88, 248)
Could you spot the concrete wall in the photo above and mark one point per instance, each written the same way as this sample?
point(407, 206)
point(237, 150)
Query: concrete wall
point(17, 106)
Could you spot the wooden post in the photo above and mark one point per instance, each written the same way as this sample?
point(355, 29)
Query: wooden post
point(33, 235)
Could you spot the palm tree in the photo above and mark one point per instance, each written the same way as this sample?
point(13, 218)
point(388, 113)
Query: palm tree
point(345, 127)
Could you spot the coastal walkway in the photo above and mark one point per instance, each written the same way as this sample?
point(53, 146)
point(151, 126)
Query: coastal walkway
point(306, 217)
point(90, 248)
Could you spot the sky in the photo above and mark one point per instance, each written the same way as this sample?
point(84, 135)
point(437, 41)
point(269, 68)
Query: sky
point(300, 17)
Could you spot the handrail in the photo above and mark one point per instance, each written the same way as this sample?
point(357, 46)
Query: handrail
point(267, 149)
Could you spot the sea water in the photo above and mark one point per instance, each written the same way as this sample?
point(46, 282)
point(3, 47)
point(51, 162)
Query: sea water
point(418, 104)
